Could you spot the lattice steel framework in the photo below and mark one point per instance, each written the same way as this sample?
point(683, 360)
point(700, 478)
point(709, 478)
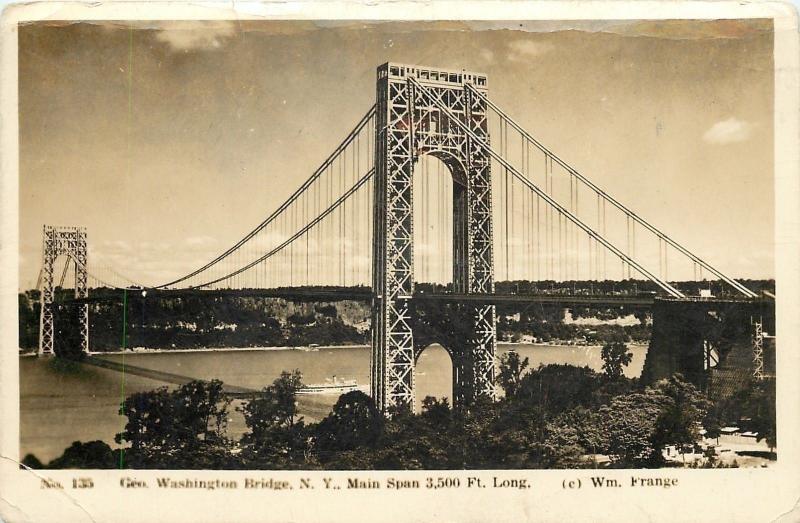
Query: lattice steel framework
point(758, 349)
point(69, 241)
point(407, 128)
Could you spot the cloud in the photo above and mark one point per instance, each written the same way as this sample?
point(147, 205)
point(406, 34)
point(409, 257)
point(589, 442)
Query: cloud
point(200, 241)
point(728, 131)
point(116, 245)
point(189, 36)
point(521, 50)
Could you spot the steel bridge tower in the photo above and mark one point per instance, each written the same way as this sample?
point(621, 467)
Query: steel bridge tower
point(69, 241)
point(406, 129)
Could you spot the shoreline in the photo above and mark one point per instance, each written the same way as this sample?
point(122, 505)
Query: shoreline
point(228, 349)
point(311, 349)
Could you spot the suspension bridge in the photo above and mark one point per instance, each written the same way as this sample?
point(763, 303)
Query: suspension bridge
point(434, 183)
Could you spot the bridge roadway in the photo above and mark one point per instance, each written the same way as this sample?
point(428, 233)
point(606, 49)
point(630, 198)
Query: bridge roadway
point(640, 301)
point(365, 294)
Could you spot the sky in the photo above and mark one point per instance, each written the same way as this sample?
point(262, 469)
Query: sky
point(170, 140)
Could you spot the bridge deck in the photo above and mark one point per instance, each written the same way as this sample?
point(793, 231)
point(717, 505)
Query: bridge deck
point(365, 294)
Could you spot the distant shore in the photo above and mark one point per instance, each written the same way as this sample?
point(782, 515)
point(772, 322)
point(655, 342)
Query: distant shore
point(143, 350)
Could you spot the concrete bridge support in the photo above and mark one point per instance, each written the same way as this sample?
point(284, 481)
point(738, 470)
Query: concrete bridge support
point(709, 342)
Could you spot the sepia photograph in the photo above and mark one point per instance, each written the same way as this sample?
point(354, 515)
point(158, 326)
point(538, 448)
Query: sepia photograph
point(241, 247)
point(396, 245)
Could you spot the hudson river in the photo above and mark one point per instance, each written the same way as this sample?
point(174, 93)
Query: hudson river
point(58, 407)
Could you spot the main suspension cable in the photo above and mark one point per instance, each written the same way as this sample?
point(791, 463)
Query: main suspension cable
point(314, 177)
point(481, 143)
point(333, 207)
point(738, 286)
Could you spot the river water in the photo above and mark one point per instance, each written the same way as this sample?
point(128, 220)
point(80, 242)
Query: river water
point(59, 406)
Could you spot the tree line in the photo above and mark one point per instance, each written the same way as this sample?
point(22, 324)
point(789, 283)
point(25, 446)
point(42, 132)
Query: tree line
point(554, 416)
point(191, 320)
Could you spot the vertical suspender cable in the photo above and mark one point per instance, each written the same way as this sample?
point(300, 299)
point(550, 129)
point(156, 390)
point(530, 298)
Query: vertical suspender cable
point(423, 211)
point(627, 242)
point(605, 253)
point(511, 211)
point(526, 226)
point(292, 229)
point(305, 220)
point(572, 210)
point(560, 251)
point(552, 226)
point(341, 225)
point(342, 214)
point(531, 258)
point(596, 246)
point(633, 238)
point(576, 233)
point(443, 223)
point(503, 130)
point(356, 171)
point(548, 242)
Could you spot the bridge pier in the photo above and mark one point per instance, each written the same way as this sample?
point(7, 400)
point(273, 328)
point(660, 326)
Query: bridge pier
point(464, 331)
point(709, 342)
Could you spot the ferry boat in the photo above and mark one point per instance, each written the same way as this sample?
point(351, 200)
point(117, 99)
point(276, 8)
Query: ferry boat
point(331, 386)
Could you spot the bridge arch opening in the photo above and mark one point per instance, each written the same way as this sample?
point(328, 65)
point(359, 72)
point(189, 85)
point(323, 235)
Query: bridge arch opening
point(433, 375)
point(438, 185)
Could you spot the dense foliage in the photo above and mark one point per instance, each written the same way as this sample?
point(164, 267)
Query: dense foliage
point(615, 357)
point(753, 406)
point(555, 416)
point(625, 287)
point(193, 319)
point(183, 428)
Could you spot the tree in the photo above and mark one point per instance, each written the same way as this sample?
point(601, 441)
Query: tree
point(32, 462)
point(201, 411)
point(354, 423)
point(638, 426)
point(436, 412)
point(276, 430)
point(276, 405)
point(502, 435)
point(28, 307)
point(416, 442)
point(150, 418)
point(91, 455)
point(580, 428)
point(679, 421)
point(763, 407)
point(562, 448)
point(557, 388)
point(510, 372)
point(754, 400)
point(615, 356)
point(176, 429)
point(67, 333)
point(629, 423)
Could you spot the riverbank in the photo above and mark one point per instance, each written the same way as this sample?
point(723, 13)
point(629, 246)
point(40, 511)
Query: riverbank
point(143, 350)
